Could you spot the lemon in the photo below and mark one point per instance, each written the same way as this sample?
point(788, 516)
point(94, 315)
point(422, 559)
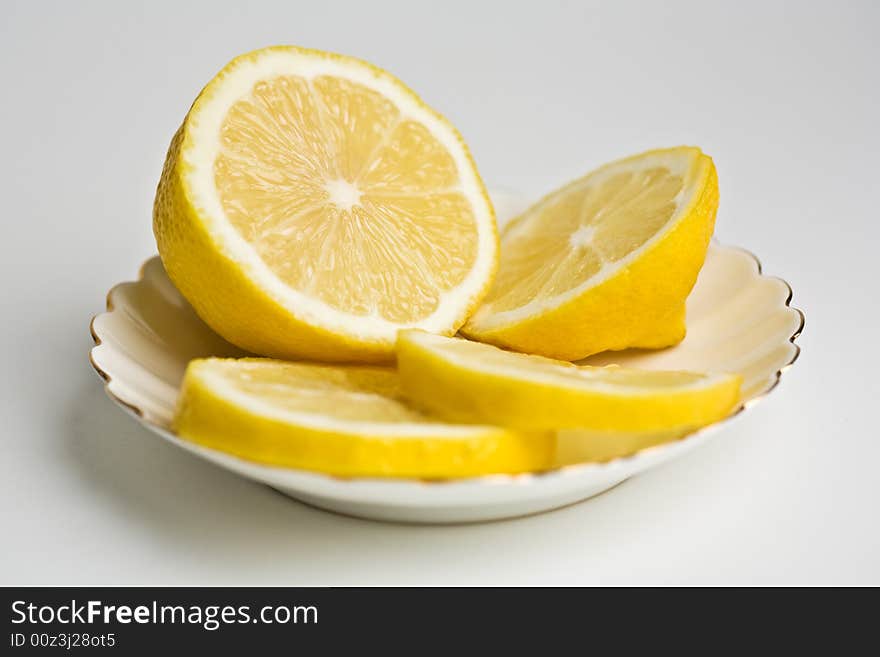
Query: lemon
point(587, 446)
point(465, 381)
point(605, 262)
point(341, 420)
point(311, 205)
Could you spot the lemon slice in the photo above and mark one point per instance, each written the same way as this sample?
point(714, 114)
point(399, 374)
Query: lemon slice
point(341, 420)
point(466, 381)
point(606, 262)
point(311, 205)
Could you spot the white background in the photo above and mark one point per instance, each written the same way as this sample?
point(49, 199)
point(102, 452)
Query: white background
point(785, 97)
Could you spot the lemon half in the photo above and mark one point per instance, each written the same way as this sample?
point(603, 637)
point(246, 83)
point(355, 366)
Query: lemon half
point(311, 205)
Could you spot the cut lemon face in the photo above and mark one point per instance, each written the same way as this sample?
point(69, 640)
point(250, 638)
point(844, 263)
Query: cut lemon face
point(606, 262)
point(311, 205)
point(465, 381)
point(341, 420)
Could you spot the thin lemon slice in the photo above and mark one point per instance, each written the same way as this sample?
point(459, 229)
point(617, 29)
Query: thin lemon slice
point(466, 381)
point(346, 420)
point(311, 205)
point(606, 262)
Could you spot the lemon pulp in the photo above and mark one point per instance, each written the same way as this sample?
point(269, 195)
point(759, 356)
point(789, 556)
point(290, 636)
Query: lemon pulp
point(573, 236)
point(343, 198)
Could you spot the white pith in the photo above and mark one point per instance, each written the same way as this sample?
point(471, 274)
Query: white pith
point(343, 194)
point(225, 387)
point(684, 162)
point(583, 236)
point(202, 146)
point(448, 350)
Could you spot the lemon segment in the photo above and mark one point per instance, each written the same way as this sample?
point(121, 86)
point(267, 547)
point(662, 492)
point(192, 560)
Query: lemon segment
point(340, 420)
point(311, 205)
point(605, 262)
point(465, 381)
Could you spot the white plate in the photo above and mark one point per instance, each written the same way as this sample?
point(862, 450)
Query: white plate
point(738, 320)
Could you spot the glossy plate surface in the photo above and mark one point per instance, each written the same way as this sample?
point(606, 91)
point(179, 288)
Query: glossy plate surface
point(738, 320)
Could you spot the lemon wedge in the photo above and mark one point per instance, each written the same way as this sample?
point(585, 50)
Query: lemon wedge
point(465, 381)
point(605, 262)
point(341, 420)
point(311, 205)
